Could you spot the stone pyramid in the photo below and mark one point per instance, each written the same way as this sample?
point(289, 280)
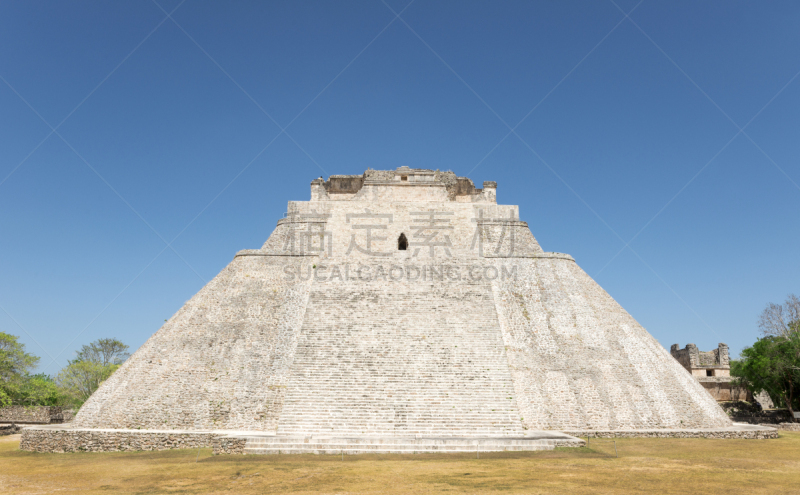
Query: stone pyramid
point(403, 302)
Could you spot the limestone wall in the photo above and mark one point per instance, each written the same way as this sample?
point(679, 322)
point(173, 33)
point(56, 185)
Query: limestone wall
point(299, 235)
point(688, 357)
point(221, 362)
point(692, 358)
point(506, 238)
point(367, 230)
point(433, 192)
point(225, 445)
point(723, 389)
point(34, 414)
point(580, 361)
point(61, 441)
point(787, 426)
point(766, 432)
point(401, 355)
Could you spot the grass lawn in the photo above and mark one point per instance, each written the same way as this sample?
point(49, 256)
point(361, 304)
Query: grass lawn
point(644, 466)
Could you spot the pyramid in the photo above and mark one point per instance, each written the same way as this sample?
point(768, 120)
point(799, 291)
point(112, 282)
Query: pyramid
point(401, 302)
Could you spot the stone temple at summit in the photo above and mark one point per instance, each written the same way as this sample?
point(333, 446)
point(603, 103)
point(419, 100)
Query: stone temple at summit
point(401, 303)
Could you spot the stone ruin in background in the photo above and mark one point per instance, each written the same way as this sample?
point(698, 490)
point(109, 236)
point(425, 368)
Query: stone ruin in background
point(713, 370)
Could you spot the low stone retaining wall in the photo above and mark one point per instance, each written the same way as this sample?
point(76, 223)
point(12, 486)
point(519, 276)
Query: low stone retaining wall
point(34, 415)
point(745, 432)
point(570, 443)
point(226, 445)
point(784, 426)
point(66, 440)
point(60, 439)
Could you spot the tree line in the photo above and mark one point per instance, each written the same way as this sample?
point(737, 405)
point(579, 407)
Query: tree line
point(70, 388)
point(772, 363)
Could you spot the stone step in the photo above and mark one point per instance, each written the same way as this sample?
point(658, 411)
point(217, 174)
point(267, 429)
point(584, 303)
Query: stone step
point(400, 449)
point(391, 404)
point(265, 445)
point(355, 430)
point(418, 439)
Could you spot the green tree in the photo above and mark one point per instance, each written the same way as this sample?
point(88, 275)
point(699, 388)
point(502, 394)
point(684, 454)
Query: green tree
point(93, 364)
point(79, 379)
point(104, 352)
point(772, 364)
point(15, 366)
point(39, 390)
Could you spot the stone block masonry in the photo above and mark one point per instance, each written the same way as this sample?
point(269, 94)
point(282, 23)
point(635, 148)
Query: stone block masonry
point(401, 303)
point(786, 426)
point(394, 444)
point(34, 414)
point(221, 362)
point(714, 363)
point(713, 370)
point(408, 357)
point(83, 440)
point(736, 431)
point(228, 445)
point(580, 361)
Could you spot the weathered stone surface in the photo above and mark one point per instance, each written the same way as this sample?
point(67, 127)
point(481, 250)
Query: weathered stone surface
point(737, 430)
point(412, 357)
point(713, 370)
point(785, 426)
point(580, 361)
point(34, 414)
point(227, 445)
point(396, 444)
point(82, 440)
point(221, 362)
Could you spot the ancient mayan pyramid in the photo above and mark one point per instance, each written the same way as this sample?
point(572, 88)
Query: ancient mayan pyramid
point(397, 303)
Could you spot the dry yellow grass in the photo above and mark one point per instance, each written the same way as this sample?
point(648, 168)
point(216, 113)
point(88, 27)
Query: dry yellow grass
point(644, 466)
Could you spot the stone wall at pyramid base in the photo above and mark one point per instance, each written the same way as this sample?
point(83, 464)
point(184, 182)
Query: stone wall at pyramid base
point(64, 439)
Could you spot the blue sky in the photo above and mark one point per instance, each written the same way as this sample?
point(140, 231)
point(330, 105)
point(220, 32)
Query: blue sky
point(674, 129)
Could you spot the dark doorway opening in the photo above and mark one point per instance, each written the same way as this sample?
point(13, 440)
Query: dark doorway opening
point(402, 242)
point(709, 372)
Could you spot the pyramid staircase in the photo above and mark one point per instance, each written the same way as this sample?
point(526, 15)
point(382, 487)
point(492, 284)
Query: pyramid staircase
point(378, 359)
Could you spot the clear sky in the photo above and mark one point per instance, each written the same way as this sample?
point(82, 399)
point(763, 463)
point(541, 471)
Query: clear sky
point(659, 149)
